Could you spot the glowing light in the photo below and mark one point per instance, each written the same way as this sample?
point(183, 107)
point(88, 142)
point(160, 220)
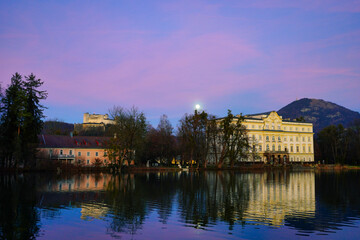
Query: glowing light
point(197, 106)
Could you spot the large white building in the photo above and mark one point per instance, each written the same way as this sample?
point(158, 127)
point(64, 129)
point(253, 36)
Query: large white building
point(279, 140)
point(276, 140)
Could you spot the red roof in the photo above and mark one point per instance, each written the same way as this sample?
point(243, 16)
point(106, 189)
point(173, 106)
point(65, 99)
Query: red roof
point(57, 141)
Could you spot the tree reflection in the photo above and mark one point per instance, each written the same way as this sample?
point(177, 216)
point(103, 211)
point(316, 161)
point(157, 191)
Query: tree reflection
point(19, 218)
point(132, 198)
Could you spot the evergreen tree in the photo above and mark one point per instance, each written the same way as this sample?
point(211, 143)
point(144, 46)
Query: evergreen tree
point(33, 118)
point(11, 121)
point(21, 120)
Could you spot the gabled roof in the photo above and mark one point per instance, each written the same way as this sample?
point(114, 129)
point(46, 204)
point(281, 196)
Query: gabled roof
point(57, 141)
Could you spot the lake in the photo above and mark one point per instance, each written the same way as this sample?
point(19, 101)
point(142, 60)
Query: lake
point(277, 204)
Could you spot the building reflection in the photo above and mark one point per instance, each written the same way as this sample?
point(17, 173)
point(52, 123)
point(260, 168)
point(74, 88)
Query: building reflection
point(197, 199)
point(278, 195)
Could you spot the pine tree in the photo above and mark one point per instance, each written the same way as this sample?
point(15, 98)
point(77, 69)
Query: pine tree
point(11, 121)
point(33, 118)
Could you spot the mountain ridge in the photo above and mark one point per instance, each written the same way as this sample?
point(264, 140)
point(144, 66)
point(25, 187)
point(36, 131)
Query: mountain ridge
point(319, 112)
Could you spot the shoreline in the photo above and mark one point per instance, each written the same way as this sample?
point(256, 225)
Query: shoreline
point(240, 168)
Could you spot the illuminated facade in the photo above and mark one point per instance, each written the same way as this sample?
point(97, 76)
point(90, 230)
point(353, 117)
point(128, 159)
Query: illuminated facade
point(93, 121)
point(277, 140)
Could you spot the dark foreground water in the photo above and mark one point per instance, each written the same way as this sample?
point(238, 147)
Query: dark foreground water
point(205, 205)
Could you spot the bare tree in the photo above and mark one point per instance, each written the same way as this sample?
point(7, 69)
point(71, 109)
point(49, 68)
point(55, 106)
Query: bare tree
point(129, 133)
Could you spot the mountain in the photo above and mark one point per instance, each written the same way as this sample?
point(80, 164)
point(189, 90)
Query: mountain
point(319, 112)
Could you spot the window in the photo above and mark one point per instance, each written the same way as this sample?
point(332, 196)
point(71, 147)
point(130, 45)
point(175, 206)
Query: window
point(260, 148)
point(267, 126)
point(279, 138)
point(105, 153)
point(273, 138)
point(88, 154)
point(259, 137)
point(79, 154)
point(309, 139)
point(273, 147)
point(291, 148)
point(297, 139)
point(296, 129)
point(267, 138)
point(291, 139)
point(279, 148)
point(302, 129)
point(308, 129)
point(253, 126)
point(253, 137)
point(70, 152)
point(105, 161)
point(303, 138)
point(267, 147)
point(79, 161)
point(290, 128)
point(303, 148)
point(309, 149)
point(96, 154)
point(88, 162)
point(285, 128)
point(284, 139)
point(61, 152)
point(297, 148)
point(279, 127)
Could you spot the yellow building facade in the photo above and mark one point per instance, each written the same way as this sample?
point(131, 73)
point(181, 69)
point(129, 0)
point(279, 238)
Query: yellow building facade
point(277, 140)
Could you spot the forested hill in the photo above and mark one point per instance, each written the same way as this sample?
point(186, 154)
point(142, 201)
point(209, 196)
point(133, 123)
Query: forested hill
point(55, 127)
point(321, 113)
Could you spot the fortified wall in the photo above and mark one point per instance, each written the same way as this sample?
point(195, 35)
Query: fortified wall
point(93, 121)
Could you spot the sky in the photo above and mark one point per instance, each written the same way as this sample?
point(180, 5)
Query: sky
point(164, 57)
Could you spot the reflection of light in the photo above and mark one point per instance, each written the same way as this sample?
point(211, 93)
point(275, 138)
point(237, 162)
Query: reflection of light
point(197, 106)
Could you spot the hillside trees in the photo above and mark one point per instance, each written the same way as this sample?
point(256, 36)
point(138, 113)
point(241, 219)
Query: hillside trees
point(21, 120)
point(334, 142)
point(340, 145)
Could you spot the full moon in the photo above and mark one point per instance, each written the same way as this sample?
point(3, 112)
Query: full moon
point(197, 106)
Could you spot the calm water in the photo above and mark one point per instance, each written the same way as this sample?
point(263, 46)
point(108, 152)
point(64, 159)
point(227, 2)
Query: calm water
point(205, 205)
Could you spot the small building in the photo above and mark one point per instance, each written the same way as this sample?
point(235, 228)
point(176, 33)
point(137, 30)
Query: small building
point(81, 150)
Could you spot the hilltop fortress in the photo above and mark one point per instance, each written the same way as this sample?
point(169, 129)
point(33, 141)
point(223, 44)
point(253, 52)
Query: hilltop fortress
point(93, 121)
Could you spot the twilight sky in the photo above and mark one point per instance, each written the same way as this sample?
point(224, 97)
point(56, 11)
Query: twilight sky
point(166, 56)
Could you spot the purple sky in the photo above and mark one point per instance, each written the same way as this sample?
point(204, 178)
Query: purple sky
point(166, 56)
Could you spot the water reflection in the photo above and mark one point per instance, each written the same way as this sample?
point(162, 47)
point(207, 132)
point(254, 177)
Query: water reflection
point(124, 205)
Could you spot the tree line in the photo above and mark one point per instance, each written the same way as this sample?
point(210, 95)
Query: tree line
point(21, 120)
point(200, 137)
point(339, 145)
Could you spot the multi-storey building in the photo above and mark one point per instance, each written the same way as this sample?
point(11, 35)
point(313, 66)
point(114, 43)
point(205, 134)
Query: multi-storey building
point(275, 140)
point(278, 140)
point(82, 150)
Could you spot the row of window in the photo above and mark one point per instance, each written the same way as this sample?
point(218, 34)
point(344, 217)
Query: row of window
point(79, 153)
point(283, 149)
point(303, 129)
point(88, 161)
point(278, 138)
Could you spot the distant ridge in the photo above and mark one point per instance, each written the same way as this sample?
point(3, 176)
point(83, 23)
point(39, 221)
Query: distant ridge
point(319, 112)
